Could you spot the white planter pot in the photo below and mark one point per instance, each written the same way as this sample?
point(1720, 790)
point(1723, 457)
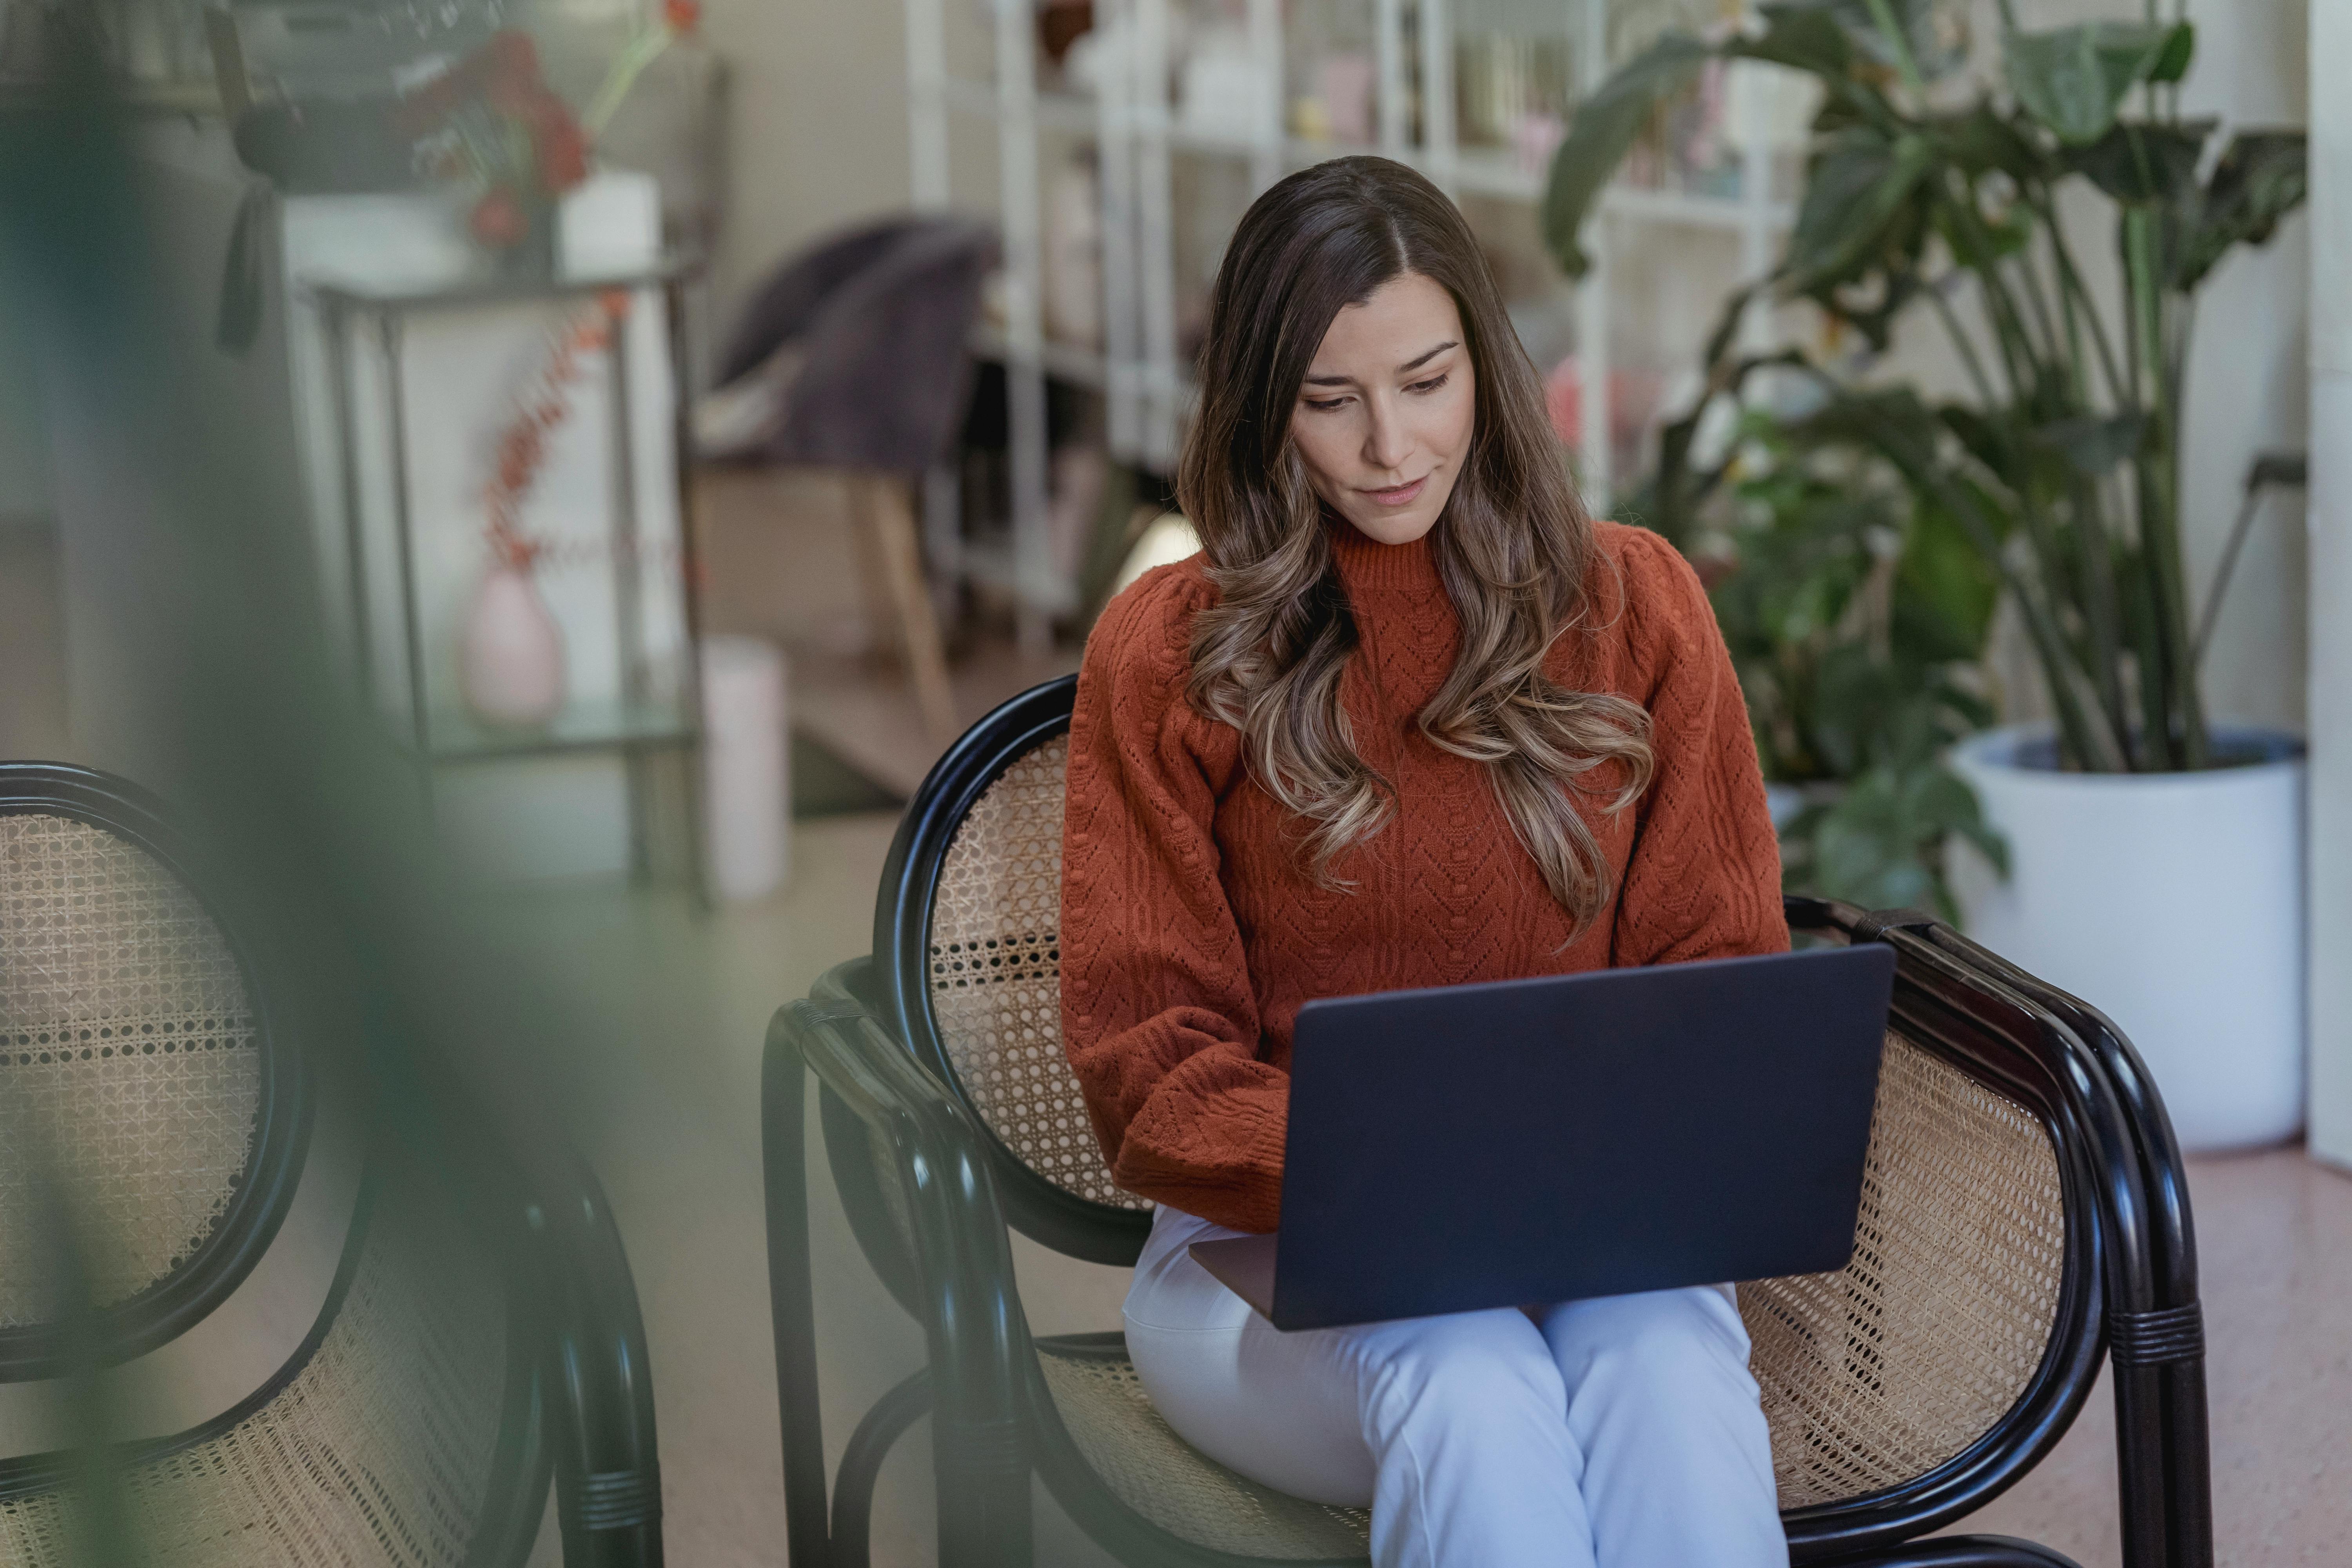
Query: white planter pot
point(2173, 903)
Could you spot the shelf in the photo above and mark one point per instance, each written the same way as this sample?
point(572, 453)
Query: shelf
point(1489, 172)
point(457, 737)
point(350, 295)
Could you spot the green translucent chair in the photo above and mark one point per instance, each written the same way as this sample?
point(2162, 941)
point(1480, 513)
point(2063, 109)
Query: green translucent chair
point(155, 1116)
point(2023, 1217)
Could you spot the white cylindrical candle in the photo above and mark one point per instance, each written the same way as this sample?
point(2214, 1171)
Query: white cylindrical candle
point(745, 768)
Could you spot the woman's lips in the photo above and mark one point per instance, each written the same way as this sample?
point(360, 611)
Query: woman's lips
point(1403, 495)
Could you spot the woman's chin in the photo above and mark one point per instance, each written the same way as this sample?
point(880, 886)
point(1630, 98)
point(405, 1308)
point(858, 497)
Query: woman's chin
point(1396, 528)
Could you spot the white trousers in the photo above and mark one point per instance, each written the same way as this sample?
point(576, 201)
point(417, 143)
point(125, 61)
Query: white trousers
point(1618, 1432)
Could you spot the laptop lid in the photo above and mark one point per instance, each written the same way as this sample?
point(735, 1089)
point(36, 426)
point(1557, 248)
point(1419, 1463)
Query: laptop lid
point(1571, 1136)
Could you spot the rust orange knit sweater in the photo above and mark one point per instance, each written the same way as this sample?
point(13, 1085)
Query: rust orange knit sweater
point(1191, 934)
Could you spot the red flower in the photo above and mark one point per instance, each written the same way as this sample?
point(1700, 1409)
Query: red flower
point(682, 16)
point(563, 153)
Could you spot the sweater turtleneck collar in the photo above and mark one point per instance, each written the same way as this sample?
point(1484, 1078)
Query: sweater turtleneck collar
point(1366, 565)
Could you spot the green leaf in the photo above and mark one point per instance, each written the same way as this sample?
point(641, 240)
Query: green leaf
point(2180, 49)
point(2138, 160)
point(1938, 40)
point(1945, 590)
point(2261, 178)
point(1981, 140)
point(2074, 78)
point(1857, 189)
point(1604, 131)
point(1803, 36)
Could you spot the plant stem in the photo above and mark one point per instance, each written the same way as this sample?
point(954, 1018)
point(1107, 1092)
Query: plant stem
point(2072, 288)
point(2101, 619)
point(1961, 345)
point(2159, 493)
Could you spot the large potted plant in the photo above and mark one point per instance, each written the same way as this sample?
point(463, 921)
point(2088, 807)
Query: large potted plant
point(1856, 616)
point(2157, 855)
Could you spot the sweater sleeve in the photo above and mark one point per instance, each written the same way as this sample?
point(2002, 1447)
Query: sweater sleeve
point(1704, 876)
point(1158, 1013)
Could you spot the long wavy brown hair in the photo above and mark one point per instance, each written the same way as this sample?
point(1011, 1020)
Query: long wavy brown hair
point(1513, 547)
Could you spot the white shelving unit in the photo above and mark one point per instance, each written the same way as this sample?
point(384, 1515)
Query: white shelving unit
point(1138, 132)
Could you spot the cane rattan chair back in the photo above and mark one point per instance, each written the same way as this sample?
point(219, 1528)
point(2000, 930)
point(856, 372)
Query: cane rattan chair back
point(153, 1121)
point(2014, 1135)
point(147, 1103)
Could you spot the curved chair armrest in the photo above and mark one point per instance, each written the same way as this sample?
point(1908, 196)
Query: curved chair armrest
point(593, 1342)
point(978, 1339)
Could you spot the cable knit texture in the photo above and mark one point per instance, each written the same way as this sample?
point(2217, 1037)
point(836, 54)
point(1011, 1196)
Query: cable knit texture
point(1191, 933)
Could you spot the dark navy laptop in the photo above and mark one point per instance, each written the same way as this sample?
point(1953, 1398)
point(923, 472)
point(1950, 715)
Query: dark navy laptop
point(1576, 1135)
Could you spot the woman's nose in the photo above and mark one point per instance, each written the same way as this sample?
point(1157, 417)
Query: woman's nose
point(1387, 444)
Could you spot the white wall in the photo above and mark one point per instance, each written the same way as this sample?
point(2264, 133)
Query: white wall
point(816, 125)
point(2331, 585)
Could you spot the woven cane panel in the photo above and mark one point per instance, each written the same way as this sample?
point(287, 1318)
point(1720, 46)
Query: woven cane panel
point(1177, 1486)
point(1875, 1375)
point(377, 1453)
point(129, 1073)
point(996, 976)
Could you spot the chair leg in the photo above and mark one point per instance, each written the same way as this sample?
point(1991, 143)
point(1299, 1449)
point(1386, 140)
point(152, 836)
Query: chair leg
point(1964, 1551)
point(861, 1466)
point(891, 513)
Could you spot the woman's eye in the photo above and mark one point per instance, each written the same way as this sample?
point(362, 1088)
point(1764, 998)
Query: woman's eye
point(1326, 405)
point(1432, 384)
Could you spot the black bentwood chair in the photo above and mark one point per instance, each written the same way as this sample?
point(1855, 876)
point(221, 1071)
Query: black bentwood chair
point(2024, 1214)
point(156, 1112)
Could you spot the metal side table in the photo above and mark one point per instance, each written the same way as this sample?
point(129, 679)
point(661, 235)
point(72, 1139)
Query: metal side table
point(639, 724)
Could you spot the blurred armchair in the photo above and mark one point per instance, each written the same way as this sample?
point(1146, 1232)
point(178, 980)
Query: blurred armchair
point(851, 358)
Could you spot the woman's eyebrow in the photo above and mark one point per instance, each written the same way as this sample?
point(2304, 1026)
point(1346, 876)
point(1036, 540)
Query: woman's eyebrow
point(1412, 364)
point(1423, 360)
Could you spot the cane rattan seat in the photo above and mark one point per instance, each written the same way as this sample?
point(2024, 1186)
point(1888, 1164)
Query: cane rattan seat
point(378, 1445)
point(2014, 1137)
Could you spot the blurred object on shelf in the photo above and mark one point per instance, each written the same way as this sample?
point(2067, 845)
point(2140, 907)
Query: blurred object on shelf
point(1333, 71)
point(657, 103)
point(854, 357)
point(491, 124)
point(1349, 81)
point(1061, 24)
point(511, 655)
point(510, 660)
point(1502, 81)
point(1226, 86)
point(1634, 404)
point(1073, 258)
point(747, 769)
point(1687, 145)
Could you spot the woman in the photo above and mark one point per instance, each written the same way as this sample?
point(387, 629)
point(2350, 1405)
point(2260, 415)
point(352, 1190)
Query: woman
point(1410, 719)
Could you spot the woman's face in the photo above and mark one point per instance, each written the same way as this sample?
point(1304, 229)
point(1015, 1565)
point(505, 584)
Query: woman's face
point(1384, 418)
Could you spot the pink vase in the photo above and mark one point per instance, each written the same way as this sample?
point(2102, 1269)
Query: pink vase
point(511, 662)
